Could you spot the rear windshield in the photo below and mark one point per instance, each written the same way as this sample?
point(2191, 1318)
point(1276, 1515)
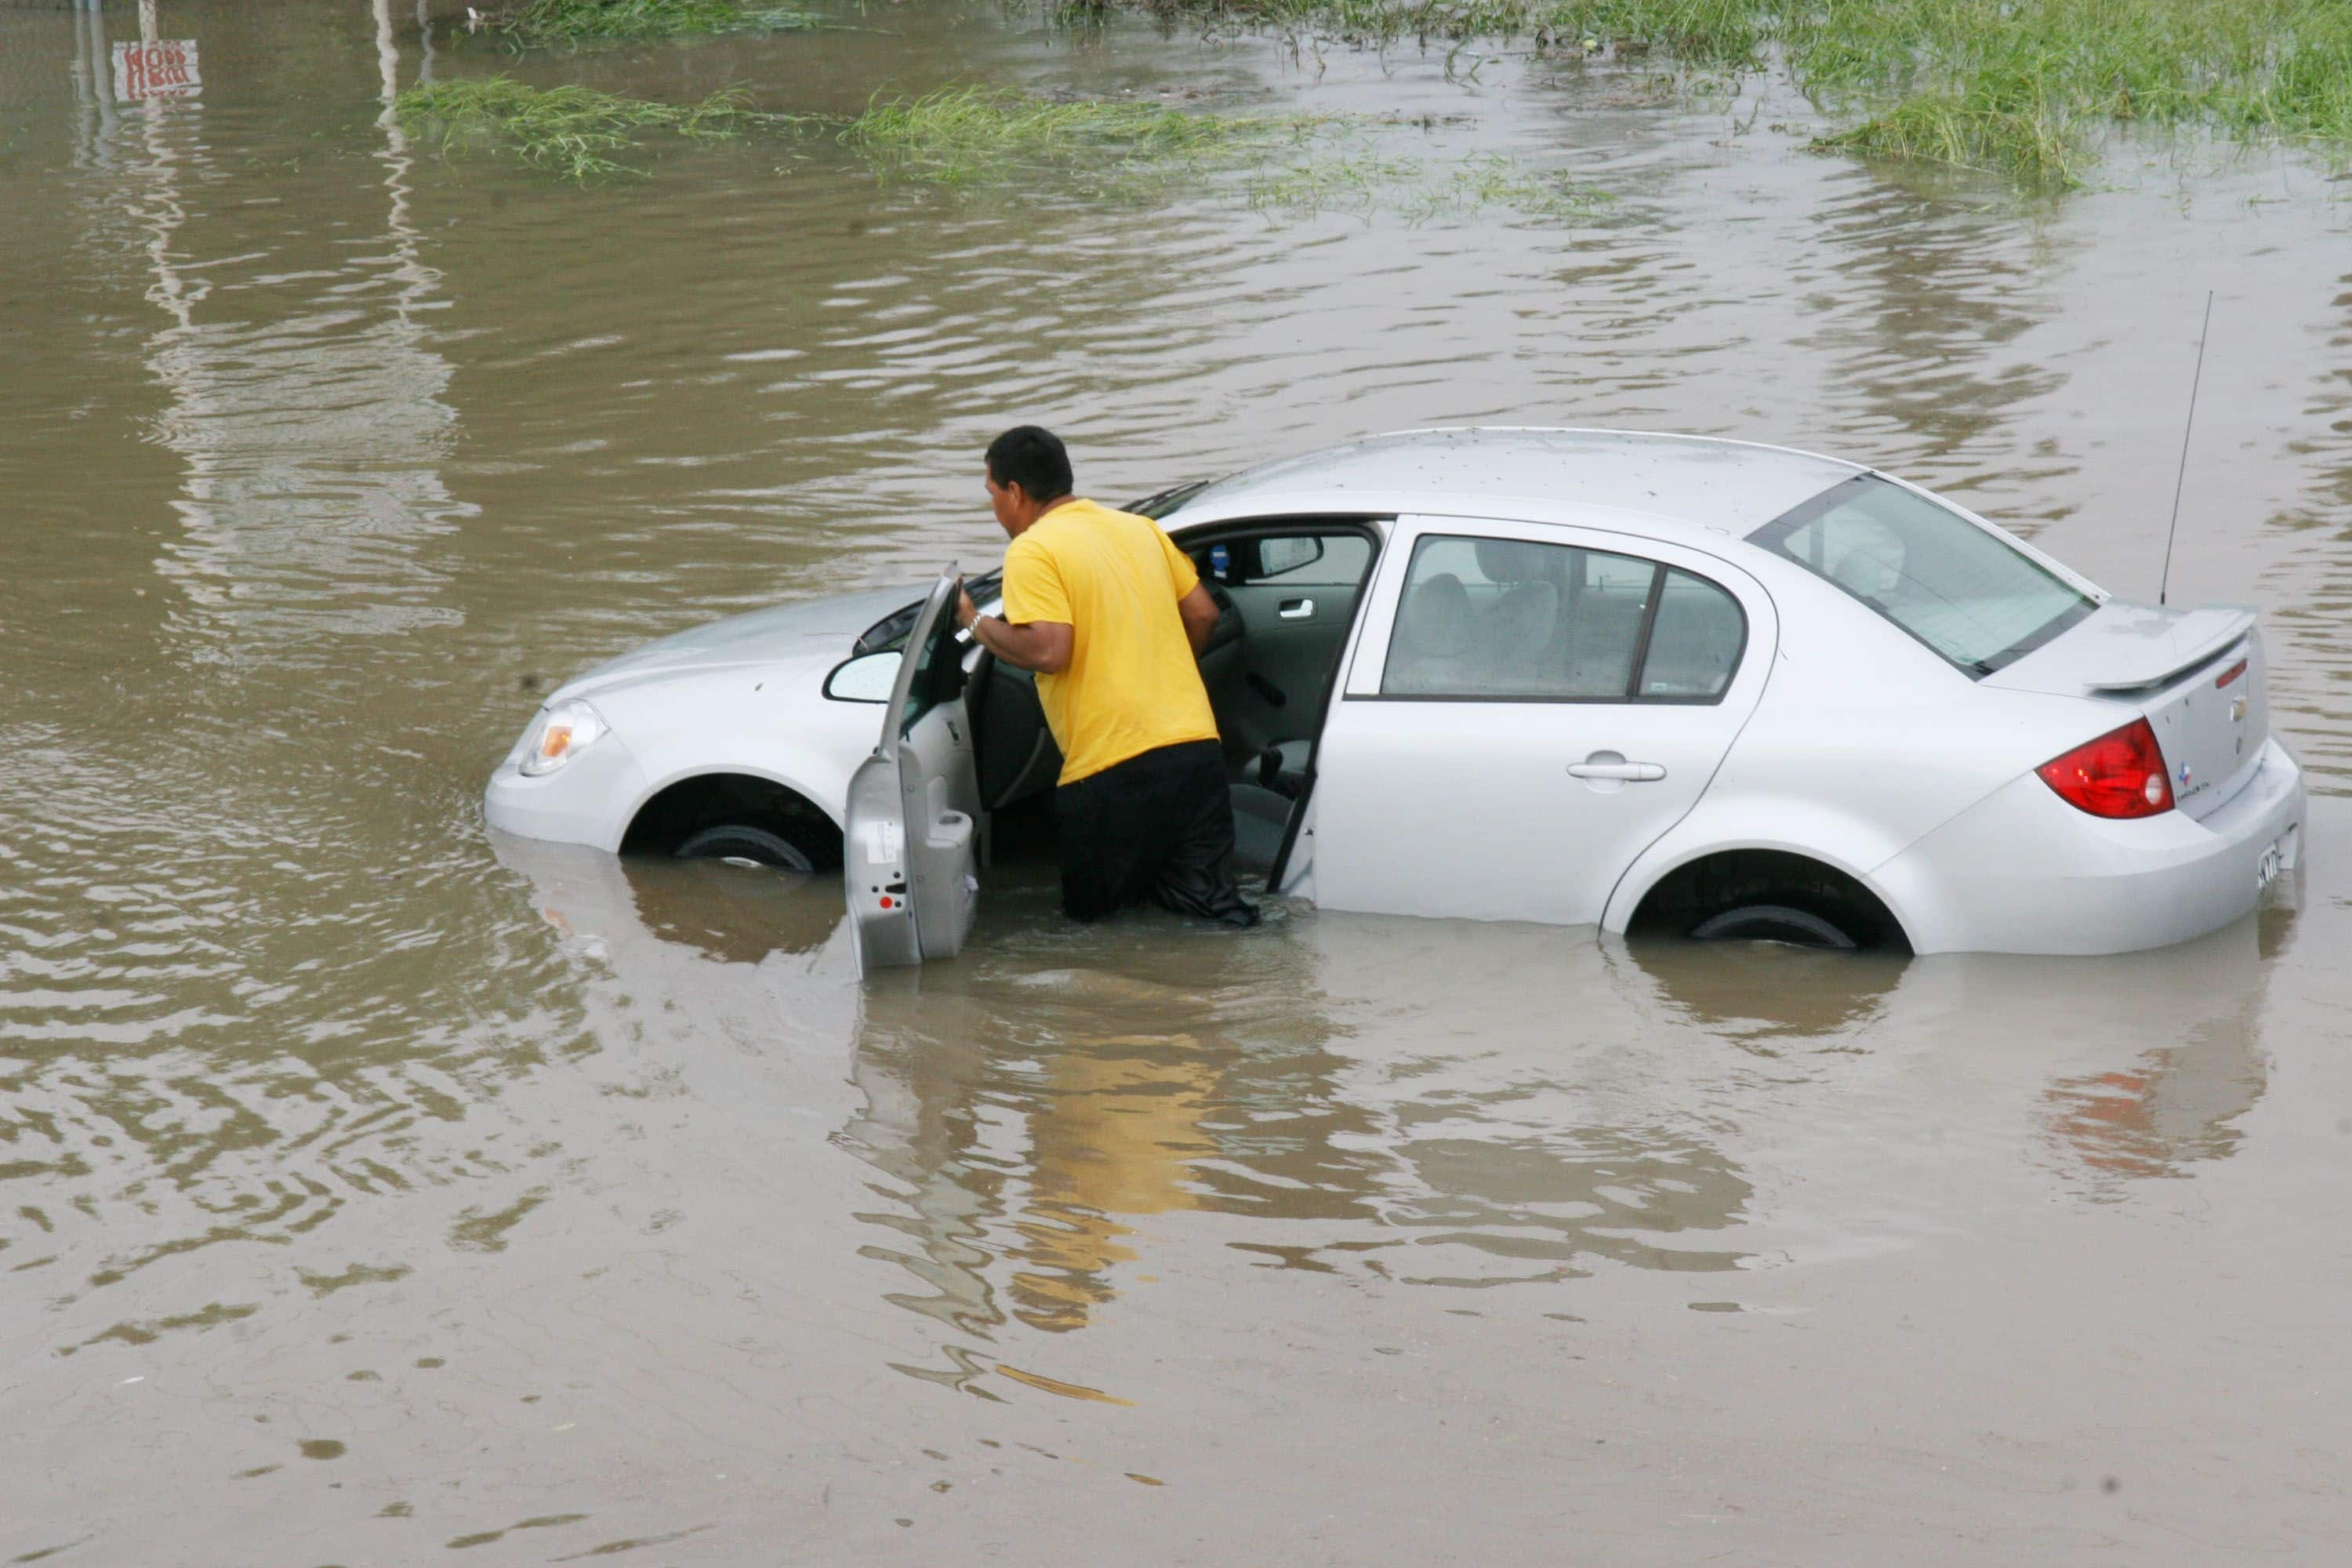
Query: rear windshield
point(1967, 593)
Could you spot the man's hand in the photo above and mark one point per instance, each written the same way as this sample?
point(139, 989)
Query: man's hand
point(1042, 646)
point(966, 612)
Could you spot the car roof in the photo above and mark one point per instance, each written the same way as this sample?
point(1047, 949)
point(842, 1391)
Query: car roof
point(1699, 482)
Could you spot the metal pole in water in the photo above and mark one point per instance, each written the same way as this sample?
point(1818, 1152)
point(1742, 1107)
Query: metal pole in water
point(2164, 583)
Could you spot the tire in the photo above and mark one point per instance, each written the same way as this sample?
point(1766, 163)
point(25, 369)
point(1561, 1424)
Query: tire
point(759, 846)
point(1773, 922)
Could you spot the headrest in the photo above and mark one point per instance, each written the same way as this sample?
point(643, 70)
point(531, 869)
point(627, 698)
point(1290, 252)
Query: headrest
point(1868, 570)
point(1516, 561)
point(1524, 621)
point(1435, 617)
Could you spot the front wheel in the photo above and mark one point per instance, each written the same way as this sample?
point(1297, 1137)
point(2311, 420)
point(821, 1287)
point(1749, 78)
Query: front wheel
point(746, 846)
point(1773, 922)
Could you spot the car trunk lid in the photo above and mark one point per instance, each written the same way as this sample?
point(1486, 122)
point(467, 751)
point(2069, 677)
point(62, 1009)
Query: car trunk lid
point(2196, 675)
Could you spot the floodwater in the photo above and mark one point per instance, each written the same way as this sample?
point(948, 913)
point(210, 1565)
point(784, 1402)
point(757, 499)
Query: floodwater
point(374, 1193)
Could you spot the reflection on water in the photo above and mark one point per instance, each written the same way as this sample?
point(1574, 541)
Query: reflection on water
point(313, 427)
point(227, 1005)
point(737, 914)
point(1043, 1129)
point(2176, 1104)
point(1760, 993)
point(1049, 1138)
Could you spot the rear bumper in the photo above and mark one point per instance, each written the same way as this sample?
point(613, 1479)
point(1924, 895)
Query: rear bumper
point(2025, 872)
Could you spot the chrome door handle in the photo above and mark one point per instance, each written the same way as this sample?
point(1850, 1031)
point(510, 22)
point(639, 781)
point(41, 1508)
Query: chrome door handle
point(1296, 609)
point(1629, 772)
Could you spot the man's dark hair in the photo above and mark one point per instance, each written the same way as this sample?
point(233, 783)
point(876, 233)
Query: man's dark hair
point(1033, 458)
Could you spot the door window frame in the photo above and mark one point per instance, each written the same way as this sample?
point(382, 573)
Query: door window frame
point(1380, 529)
point(1367, 662)
point(1368, 527)
point(934, 619)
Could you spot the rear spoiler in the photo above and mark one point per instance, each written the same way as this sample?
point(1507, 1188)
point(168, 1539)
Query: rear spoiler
point(2179, 641)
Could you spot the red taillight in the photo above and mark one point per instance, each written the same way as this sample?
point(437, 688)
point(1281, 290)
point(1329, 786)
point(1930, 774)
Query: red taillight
point(2120, 774)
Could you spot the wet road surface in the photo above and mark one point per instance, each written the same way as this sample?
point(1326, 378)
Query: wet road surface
point(372, 1191)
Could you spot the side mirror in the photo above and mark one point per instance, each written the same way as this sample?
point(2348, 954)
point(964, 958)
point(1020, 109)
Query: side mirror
point(868, 677)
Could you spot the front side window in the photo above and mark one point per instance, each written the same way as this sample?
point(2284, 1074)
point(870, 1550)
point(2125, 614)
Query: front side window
point(1971, 595)
point(1502, 619)
point(1308, 560)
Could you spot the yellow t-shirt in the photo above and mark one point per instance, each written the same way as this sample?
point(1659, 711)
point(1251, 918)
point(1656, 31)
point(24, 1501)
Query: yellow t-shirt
point(1132, 684)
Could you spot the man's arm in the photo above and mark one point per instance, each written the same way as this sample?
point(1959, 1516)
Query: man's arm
point(1042, 646)
point(1200, 613)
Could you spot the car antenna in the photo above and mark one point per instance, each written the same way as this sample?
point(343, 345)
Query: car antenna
point(2165, 583)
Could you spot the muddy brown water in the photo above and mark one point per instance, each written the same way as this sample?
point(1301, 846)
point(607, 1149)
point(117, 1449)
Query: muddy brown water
point(372, 1193)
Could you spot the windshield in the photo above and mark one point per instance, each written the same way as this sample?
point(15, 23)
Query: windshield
point(1156, 507)
point(891, 630)
point(1967, 593)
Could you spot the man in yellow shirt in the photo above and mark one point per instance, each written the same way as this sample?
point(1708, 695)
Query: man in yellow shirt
point(1112, 618)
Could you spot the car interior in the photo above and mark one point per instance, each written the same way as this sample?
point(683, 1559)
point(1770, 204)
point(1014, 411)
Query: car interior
point(1287, 593)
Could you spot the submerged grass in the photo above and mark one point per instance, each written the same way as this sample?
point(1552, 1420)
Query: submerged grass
point(1364, 179)
point(2008, 85)
point(573, 131)
point(961, 135)
point(971, 136)
point(2032, 144)
point(580, 21)
point(1291, 164)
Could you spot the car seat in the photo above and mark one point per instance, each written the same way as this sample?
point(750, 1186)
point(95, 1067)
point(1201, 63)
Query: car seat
point(1519, 645)
point(1436, 630)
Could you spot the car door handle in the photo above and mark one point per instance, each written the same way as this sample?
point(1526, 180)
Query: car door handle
point(1296, 609)
point(1628, 773)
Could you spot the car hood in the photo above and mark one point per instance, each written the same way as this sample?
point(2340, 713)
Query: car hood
point(812, 631)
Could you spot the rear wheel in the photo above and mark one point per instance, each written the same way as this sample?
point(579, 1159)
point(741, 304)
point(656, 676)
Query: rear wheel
point(746, 846)
point(1768, 895)
point(1773, 922)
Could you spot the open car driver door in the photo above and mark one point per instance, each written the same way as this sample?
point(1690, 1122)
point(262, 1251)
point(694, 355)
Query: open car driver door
point(910, 836)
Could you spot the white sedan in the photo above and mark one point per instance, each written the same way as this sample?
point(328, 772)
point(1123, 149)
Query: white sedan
point(1651, 683)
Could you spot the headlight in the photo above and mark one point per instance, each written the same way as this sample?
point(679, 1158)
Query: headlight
point(561, 733)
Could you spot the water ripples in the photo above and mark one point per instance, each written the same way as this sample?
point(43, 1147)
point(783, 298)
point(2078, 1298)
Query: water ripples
point(328, 457)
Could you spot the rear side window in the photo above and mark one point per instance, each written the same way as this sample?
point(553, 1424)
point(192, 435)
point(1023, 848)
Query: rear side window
point(1505, 619)
point(1971, 595)
point(1695, 642)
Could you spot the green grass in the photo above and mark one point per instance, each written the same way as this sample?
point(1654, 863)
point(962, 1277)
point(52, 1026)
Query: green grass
point(580, 21)
point(573, 131)
point(2012, 86)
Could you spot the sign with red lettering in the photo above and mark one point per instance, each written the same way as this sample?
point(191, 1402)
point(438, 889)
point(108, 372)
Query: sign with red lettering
point(166, 68)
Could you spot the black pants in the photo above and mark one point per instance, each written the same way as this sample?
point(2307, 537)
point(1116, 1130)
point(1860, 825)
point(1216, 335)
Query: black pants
point(1157, 826)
